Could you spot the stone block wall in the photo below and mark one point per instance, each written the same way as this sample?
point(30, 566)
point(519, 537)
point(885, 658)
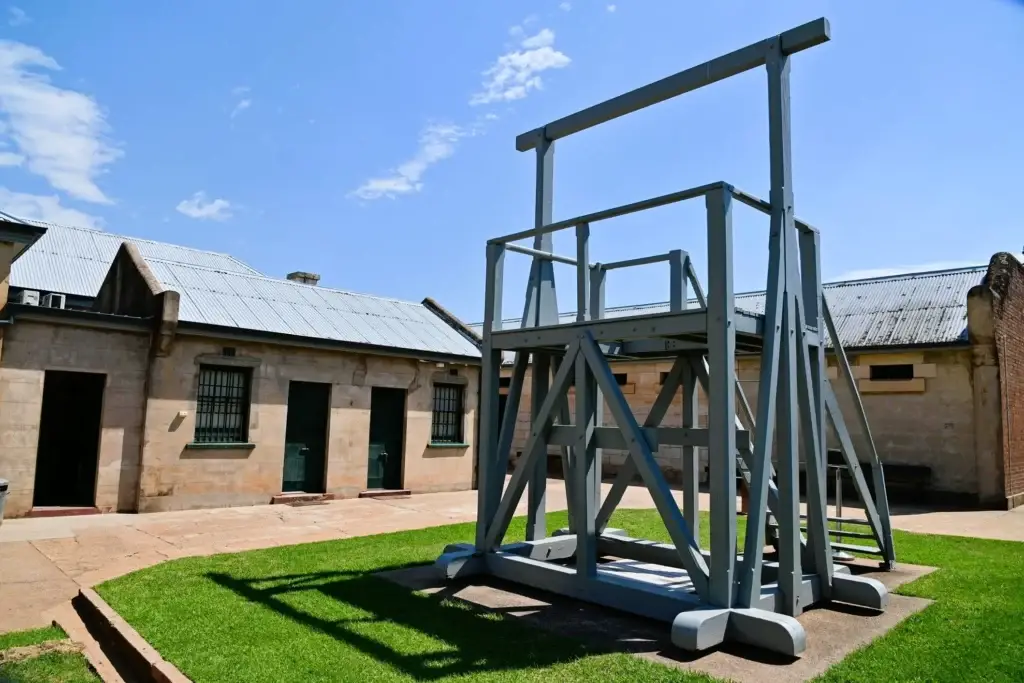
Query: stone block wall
point(1003, 299)
point(30, 349)
point(177, 477)
point(171, 476)
point(928, 421)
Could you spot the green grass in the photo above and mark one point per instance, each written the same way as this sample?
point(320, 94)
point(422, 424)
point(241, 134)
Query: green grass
point(51, 667)
point(314, 613)
point(34, 636)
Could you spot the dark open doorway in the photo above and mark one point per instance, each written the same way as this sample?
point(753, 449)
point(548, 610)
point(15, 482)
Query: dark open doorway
point(67, 457)
point(387, 436)
point(305, 448)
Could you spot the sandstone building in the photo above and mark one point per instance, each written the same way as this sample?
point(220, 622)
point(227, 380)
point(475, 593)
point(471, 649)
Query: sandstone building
point(139, 376)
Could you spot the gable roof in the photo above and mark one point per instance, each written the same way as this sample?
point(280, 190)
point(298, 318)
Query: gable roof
point(74, 261)
point(253, 302)
point(914, 309)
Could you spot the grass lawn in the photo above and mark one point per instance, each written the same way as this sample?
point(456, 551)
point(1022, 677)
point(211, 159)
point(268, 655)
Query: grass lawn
point(315, 613)
point(51, 667)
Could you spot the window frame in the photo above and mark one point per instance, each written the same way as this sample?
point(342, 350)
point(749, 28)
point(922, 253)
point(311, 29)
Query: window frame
point(887, 372)
point(458, 394)
point(202, 433)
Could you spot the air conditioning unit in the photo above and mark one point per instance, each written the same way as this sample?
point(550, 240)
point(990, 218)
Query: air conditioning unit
point(29, 297)
point(53, 300)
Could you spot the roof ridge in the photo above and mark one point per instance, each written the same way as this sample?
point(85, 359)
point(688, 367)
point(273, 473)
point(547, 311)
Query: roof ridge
point(143, 239)
point(261, 276)
point(915, 273)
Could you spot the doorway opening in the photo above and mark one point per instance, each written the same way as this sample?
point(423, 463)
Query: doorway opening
point(305, 447)
point(67, 457)
point(387, 436)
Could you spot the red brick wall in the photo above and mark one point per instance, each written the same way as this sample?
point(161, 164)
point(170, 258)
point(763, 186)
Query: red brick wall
point(1005, 278)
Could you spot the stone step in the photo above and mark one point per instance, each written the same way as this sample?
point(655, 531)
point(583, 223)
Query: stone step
point(62, 511)
point(68, 619)
point(300, 497)
point(385, 493)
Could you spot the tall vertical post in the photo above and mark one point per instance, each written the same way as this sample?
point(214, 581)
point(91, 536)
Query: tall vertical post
point(783, 221)
point(596, 312)
point(544, 312)
point(582, 272)
point(691, 463)
point(721, 396)
point(810, 275)
point(489, 380)
point(677, 280)
point(536, 522)
point(584, 470)
point(812, 406)
point(586, 305)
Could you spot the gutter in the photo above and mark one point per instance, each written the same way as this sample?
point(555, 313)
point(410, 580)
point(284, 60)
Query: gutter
point(452, 321)
point(259, 336)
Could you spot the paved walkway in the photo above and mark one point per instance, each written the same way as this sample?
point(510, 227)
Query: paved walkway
point(43, 562)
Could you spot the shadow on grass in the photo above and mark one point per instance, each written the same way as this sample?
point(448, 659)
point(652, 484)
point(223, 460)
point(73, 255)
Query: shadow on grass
point(471, 640)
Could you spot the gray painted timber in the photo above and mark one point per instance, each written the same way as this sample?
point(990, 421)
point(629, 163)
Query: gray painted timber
point(721, 397)
point(718, 595)
point(800, 38)
point(541, 309)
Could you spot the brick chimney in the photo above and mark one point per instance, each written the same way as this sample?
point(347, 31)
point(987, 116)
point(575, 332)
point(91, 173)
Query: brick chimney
point(304, 278)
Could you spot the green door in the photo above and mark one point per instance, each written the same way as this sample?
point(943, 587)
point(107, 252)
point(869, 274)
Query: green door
point(387, 435)
point(305, 448)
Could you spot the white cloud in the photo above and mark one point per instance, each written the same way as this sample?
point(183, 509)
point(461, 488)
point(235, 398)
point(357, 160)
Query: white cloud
point(546, 38)
point(46, 208)
point(612, 8)
point(61, 133)
point(437, 142)
point(11, 159)
point(490, 116)
point(516, 73)
point(243, 101)
point(17, 17)
point(240, 107)
point(865, 273)
point(565, 6)
point(203, 209)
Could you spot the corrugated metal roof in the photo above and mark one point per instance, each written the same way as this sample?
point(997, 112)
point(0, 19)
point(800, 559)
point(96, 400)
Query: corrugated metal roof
point(253, 302)
point(75, 260)
point(900, 310)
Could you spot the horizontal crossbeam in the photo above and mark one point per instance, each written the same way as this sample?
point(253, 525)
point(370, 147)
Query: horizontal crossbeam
point(632, 262)
point(800, 38)
point(692, 322)
point(611, 437)
point(614, 212)
point(541, 254)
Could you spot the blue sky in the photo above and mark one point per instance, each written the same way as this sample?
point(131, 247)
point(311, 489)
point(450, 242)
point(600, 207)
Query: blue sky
point(374, 142)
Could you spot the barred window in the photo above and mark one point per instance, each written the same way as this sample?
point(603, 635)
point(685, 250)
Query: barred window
point(222, 405)
point(446, 425)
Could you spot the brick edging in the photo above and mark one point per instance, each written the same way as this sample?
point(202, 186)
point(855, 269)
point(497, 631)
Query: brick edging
point(123, 641)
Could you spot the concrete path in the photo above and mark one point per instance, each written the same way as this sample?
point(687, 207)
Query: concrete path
point(43, 562)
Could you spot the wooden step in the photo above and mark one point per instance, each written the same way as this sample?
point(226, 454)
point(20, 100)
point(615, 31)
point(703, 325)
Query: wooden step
point(847, 534)
point(851, 548)
point(385, 493)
